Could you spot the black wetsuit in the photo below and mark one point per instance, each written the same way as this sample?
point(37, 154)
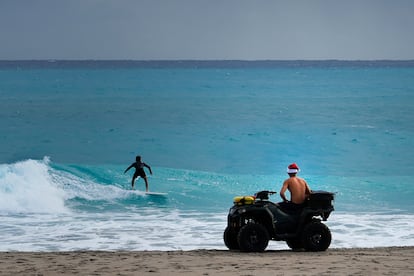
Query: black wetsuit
point(139, 169)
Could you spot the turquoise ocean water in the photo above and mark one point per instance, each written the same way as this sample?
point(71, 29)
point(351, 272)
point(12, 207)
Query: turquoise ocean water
point(210, 130)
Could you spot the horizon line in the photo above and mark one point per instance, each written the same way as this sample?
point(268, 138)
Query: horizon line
point(197, 60)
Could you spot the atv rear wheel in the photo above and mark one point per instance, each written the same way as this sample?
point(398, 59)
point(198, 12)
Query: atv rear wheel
point(253, 238)
point(316, 236)
point(230, 238)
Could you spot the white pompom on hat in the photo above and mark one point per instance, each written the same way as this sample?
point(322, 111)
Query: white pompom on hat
point(293, 168)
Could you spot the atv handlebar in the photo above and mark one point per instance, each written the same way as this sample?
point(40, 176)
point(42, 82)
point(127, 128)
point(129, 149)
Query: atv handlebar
point(263, 195)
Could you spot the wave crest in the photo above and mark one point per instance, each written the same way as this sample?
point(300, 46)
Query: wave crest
point(28, 186)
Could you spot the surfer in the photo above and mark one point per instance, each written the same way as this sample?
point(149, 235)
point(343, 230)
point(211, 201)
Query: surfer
point(139, 171)
point(298, 188)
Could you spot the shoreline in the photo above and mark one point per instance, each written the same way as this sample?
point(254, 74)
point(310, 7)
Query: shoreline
point(347, 261)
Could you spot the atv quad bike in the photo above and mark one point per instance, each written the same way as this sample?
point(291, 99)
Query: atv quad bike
point(254, 220)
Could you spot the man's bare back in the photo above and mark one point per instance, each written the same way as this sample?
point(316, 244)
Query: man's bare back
point(298, 188)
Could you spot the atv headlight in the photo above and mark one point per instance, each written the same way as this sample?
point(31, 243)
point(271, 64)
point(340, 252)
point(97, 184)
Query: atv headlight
point(237, 211)
point(242, 210)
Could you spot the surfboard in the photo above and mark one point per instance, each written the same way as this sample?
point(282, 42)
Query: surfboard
point(155, 194)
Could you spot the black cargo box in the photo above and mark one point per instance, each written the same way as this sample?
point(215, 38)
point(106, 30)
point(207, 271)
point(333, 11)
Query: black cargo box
point(320, 199)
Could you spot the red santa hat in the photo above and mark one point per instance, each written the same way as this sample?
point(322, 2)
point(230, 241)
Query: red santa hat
point(293, 168)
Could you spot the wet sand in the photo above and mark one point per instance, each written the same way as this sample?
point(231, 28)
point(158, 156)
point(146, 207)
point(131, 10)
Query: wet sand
point(376, 261)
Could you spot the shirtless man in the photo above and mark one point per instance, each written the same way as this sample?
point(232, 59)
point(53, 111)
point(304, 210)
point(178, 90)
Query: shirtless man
point(298, 188)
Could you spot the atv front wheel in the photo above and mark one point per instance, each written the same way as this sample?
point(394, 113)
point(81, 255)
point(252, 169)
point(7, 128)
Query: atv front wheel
point(253, 238)
point(316, 236)
point(230, 238)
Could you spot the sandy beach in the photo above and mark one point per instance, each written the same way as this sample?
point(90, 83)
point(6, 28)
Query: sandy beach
point(376, 261)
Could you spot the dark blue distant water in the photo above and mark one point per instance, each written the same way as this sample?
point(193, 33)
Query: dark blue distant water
point(210, 130)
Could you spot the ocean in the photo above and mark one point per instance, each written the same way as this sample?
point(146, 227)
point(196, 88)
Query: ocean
point(210, 130)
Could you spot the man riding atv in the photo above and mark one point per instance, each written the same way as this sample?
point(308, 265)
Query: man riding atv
point(254, 220)
point(298, 188)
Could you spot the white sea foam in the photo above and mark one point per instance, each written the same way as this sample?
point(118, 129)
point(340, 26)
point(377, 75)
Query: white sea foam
point(371, 230)
point(151, 229)
point(27, 186)
point(162, 229)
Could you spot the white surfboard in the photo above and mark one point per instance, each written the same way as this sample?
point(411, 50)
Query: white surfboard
point(155, 194)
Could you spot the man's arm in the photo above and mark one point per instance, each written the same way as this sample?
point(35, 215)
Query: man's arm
point(149, 168)
point(283, 190)
point(129, 168)
point(307, 190)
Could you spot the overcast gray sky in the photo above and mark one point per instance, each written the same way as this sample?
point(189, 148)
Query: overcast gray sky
point(210, 29)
